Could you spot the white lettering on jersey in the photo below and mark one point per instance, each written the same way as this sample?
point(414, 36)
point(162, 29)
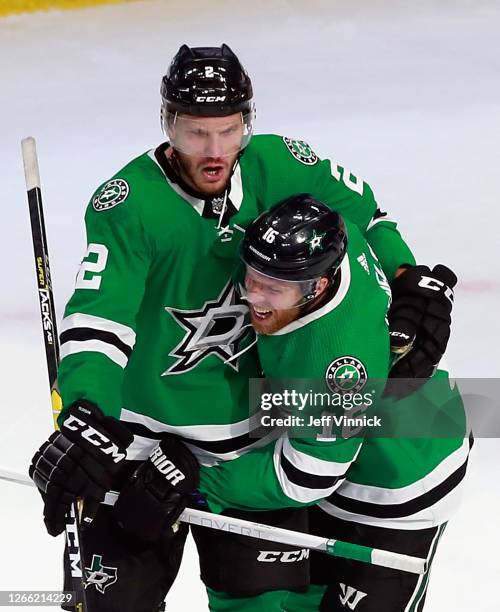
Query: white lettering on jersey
point(92, 267)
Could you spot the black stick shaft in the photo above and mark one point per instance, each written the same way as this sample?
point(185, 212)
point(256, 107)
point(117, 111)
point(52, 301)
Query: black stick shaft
point(51, 342)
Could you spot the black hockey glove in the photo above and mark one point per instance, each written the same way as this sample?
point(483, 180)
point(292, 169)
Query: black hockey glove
point(78, 461)
point(158, 491)
point(419, 325)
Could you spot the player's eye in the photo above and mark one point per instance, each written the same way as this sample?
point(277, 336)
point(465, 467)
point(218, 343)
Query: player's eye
point(228, 131)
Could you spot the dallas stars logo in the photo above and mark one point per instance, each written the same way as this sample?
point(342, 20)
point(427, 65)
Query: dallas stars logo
point(301, 151)
point(111, 194)
point(346, 374)
point(101, 576)
point(315, 241)
point(218, 328)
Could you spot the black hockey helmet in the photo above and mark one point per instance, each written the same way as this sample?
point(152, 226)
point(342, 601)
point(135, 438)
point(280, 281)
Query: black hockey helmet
point(296, 240)
point(207, 81)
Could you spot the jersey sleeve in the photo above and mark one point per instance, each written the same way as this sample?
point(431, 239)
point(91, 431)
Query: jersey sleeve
point(383, 236)
point(290, 472)
point(301, 170)
point(360, 206)
point(98, 329)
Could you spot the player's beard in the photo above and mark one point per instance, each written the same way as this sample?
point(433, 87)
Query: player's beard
point(276, 320)
point(194, 171)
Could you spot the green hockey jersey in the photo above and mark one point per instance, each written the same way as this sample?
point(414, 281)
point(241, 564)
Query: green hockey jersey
point(409, 475)
point(338, 350)
point(155, 333)
point(405, 482)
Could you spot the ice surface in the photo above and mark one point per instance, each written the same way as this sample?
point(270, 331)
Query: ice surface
point(406, 96)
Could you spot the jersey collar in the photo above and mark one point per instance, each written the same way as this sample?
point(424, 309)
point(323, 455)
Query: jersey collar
point(204, 206)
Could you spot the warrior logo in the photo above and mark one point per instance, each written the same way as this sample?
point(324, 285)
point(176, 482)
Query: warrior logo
point(101, 576)
point(350, 597)
point(218, 328)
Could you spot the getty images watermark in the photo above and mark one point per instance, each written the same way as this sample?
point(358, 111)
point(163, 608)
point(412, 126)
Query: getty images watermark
point(293, 408)
point(396, 408)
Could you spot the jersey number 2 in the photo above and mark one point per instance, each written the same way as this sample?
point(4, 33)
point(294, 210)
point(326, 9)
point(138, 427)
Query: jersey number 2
point(88, 277)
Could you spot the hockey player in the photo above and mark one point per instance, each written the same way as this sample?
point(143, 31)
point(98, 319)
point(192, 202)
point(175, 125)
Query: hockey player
point(323, 321)
point(154, 365)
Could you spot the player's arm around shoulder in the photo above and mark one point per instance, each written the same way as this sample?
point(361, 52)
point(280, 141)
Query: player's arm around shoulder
point(98, 330)
point(308, 461)
point(290, 166)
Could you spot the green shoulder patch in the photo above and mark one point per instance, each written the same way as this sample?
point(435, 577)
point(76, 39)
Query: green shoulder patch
point(346, 374)
point(111, 194)
point(301, 151)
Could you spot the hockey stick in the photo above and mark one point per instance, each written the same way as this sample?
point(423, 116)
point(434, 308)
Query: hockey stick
point(47, 310)
point(337, 548)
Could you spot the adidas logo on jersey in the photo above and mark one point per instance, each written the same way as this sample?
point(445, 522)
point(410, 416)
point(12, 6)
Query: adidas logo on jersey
point(165, 466)
point(364, 263)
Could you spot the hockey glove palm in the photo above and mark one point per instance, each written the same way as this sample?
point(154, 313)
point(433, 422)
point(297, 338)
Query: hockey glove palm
point(419, 325)
point(80, 460)
point(158, 491)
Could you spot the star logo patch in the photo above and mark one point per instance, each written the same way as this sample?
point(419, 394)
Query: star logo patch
point(99, 575)
point(218, 328)
point(301, 151)
point(315, 241)
point(346, 374)
point(111, 194)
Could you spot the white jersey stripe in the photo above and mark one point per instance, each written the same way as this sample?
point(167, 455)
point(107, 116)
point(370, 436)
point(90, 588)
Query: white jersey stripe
point(78, 319)
point(382, 495)
point(204, 433)
point(141, 448)
point(73, 347)
point(294, 491)
point(313, 465)
point(432, 549)
point(374, 222)
point(434, 515)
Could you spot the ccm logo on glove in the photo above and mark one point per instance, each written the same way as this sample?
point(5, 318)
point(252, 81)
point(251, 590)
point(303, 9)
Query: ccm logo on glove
point(95, 437)
point(165, 466)
point(427, 282)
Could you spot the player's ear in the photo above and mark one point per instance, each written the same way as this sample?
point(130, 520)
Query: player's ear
point(321, 285)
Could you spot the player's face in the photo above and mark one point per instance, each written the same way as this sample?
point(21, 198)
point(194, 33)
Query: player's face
point(207, 148)
point(272, 303)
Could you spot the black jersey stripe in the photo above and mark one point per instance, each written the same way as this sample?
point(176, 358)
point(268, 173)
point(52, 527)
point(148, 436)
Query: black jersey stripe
point(306, 479)
point(80, 334)
point(226, 445)
point(395, 511)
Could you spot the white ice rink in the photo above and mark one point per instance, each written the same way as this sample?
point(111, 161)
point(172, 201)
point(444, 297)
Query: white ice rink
point(406, 94)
